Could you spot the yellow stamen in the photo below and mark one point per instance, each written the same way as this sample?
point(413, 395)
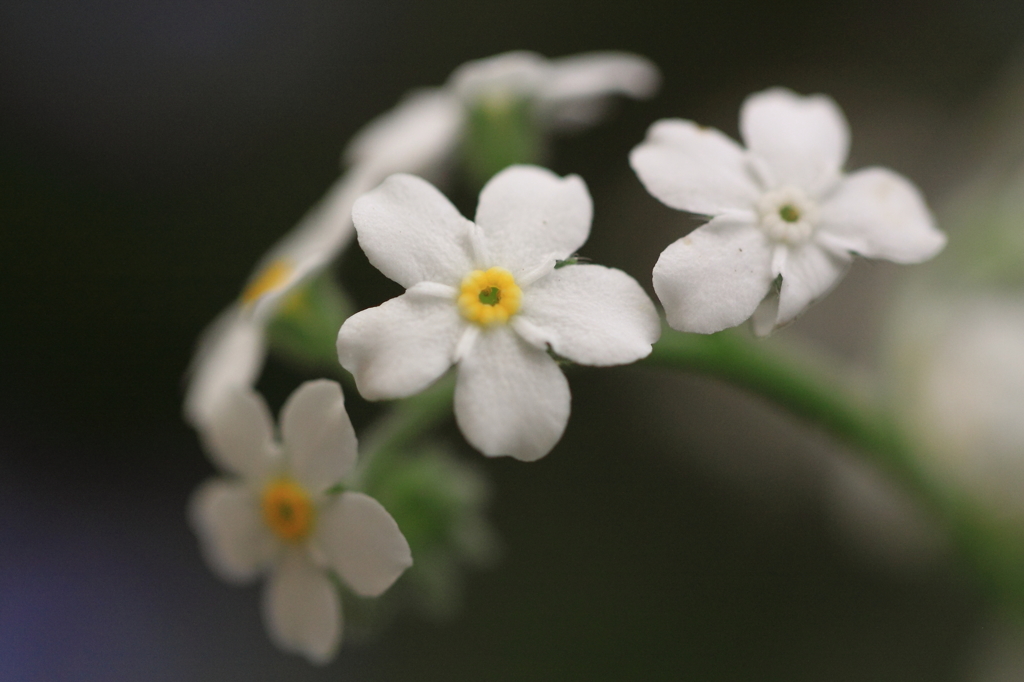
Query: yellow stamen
point(288, 510)
point(489, 297)
point(270, 279)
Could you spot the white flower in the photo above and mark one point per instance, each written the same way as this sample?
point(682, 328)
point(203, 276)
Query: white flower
point(422, 133)
point(229, 355)
point(488, 297)
point(232, 349)
point(780, 207)
point(275, 515)
point(418, 136)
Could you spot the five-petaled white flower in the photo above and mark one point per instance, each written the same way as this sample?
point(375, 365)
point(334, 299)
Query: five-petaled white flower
point(780, 207)
point(277, 514)
point(232, 349)
point(418, 136)
point(487, 296)
point(423, 131)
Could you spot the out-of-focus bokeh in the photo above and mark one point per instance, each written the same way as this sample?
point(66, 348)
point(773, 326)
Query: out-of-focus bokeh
point(150, 151)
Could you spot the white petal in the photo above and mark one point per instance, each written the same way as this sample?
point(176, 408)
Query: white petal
point(235, 542)
point(529, 214)
point(412, 233)
point(362, 543)
point(400, 347)
point(240, 435)
point(316, 240)
point(880, 214)
point(230, 353)
point(803, 141)
point(318, 435)
point(301, 608)
point(592, 315)
point(763, 319)
point(695, 169)
point(419, 135)
point(597, 74)
point(715, 277)
point(510, 397)
point(518, 73)
point(810, 273)
point(575, 89)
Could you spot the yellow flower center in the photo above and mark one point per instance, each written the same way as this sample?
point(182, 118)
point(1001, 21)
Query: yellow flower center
point(270, 279)
point(288, 510)
point(489, 297)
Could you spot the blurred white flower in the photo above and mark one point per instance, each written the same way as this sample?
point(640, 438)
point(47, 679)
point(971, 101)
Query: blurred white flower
point(423, 132)
point(275, 514)
point(958, 375)
point(232, 349)
point(487, 296)
point(780, 207)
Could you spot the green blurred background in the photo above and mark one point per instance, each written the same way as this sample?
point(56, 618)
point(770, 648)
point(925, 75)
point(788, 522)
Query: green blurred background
point(152, 150)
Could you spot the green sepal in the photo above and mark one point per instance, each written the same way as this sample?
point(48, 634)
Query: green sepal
point(501, 131)
point(439, 502)
point(304, 331)
point(571, 260)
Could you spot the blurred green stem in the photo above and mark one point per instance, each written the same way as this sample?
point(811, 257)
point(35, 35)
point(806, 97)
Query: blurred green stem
point(993, 547)
point(501, 131)
point(402, 428)
point(795, 386)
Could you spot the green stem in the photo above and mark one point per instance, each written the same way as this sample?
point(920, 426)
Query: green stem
point(400, 429)
point(795, 386)
point(992, 547)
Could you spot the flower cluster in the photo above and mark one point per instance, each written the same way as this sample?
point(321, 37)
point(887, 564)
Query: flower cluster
point(280, 512)
point(419, 136)
point(504, 299)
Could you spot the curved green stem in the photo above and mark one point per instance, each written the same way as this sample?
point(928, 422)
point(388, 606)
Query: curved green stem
point(994, 548)
point(404, 425)
point(795, 386)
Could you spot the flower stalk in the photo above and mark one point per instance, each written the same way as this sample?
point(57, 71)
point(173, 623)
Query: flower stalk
point(992, 548)
point(501, 132)
point(406, 424)
point(794, 386)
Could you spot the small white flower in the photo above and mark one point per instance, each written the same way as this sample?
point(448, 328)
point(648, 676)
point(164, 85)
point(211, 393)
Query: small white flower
point(232, 349)
point(418, 136)
point(487, 297)
point(275, 515)
point(782, 206)
point(422, 133)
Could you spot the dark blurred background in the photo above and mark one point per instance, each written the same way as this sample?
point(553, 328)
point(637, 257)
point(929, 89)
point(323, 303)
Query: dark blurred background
point(152, 150)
